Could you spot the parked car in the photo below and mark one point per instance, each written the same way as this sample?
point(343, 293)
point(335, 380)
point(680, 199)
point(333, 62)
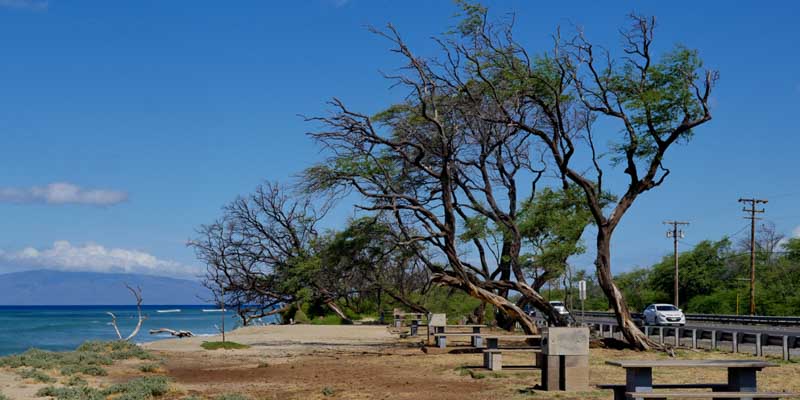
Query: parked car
point(663, 314)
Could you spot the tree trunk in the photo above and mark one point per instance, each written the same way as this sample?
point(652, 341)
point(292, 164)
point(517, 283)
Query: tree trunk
point(499, 302)
point(477, 316)
point(337, 310)
point(627, 326)
point(415, 307)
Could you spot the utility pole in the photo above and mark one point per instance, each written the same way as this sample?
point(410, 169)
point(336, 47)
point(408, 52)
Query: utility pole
point(675, 234)
point(752, 217)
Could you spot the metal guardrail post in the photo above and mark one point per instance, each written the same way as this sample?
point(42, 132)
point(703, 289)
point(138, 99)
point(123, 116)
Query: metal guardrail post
point(694, 338)
point(785, 348)
point(759, 343)
point(713, 340)
point(735, 337)
point(661, 334)
point(677, 332)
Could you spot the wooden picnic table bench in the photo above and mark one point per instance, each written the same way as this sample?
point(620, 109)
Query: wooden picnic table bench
point(742, 380)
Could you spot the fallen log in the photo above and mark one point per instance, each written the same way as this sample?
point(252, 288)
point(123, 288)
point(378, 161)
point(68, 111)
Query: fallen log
point(180, 334)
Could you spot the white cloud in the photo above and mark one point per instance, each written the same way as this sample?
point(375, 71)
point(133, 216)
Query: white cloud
point(62, 193)
point(795, 234)
point(38, 5)
point(95, 258)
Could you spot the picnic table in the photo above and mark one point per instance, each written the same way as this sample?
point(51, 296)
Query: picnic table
point(493, 354)
point(742, 380)
point(493, 341)
point(440, 334)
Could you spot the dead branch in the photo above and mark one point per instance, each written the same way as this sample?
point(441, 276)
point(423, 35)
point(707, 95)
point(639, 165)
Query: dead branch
point(137, 293)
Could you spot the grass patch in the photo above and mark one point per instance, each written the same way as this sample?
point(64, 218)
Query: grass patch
point(36, 375)
point(330, 320)
point(464, 371)
point(223, 345)
point(231, 396)
point(149, 367)
point(4, 397)
point(88, 359)
point(327, 391)
point(135, 389)
point(75, 381)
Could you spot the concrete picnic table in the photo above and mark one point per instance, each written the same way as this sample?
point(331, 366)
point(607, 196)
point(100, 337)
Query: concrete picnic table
point(493, 341)
point(741, 373)
point(440, 333)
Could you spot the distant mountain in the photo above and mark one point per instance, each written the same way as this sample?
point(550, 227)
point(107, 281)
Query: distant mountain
point(47, 287)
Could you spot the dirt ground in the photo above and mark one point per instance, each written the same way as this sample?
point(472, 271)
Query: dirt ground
point(369, 362)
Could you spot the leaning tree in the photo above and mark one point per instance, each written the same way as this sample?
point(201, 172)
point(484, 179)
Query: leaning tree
point(443, 174)
point(448, 155)
point(591, 112)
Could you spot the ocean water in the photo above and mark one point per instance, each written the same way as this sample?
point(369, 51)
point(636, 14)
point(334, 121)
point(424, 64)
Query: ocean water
point(66, 327)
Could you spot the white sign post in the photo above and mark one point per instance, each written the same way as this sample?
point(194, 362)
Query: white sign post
point(582, 296)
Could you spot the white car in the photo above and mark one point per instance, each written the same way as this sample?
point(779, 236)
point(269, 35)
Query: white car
point(663, 314)
point(559, 307)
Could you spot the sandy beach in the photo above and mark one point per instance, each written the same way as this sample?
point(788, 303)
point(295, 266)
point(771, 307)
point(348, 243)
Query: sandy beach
point(365, 362)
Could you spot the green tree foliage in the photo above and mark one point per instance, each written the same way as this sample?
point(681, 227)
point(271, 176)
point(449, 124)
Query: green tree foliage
point(714, 277)
point(701, 271)
point(552, 223)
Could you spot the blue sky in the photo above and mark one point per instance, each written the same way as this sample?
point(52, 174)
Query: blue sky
point(150, 115)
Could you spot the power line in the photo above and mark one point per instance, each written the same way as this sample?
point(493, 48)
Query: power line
point(753, 202)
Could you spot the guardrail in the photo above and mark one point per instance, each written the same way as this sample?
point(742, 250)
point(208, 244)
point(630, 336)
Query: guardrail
point(726, 319)
point(710, 338)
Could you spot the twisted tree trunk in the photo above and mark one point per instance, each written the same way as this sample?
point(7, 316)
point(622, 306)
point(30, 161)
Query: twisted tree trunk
point(499, 302)
point(633, 335)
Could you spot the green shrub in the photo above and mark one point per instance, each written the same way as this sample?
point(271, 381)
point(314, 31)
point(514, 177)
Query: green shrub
point(4, 397)
point(117, 350)
point(91, 370)
point(150, 367)
point(89, 358)
point(136, 389)
point(71, 393)
point(301, 318)
point(231, 396)
point(326, 391)
point(223, 345)
point(139, 388)
point(332, 319)
point(76, 381)
point(36, 375)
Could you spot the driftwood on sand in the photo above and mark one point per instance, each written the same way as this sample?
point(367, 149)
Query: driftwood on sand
point(180, 334)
